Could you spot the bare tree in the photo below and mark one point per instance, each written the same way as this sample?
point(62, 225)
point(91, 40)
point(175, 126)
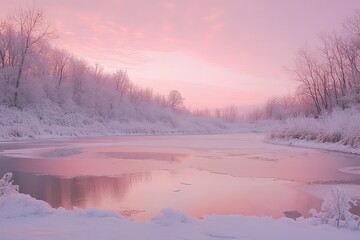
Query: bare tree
point(33, 28)
point(352, 25)
point(175, 100)
point(61, 61)
point(305, 74)
point(98, 72)
point(79, 71)
point(122, 81)
point(230, 114)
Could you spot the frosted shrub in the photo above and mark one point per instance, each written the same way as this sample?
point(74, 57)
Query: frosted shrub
point(335, 210)
point(339, 126)
point(6, 185)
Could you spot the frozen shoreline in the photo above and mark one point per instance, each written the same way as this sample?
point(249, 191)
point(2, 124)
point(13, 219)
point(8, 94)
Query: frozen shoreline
point(22, 217)
point(336, 131)
point(335, 147)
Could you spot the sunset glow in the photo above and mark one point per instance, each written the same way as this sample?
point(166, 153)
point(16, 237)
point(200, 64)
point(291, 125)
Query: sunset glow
point(179, 119)
point(235, 50)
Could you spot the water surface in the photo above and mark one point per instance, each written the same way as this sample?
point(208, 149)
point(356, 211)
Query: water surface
point(197, 174)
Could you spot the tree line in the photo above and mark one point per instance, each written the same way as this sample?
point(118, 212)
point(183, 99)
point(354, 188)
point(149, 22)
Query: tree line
point(328, 76)
point(34, 73)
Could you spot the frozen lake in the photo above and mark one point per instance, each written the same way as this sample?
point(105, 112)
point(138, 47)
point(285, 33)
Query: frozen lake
point(196, 174)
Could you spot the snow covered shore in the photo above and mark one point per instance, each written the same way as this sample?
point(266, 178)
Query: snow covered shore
point(22, 217)
point(336, 131)
point(53, 121)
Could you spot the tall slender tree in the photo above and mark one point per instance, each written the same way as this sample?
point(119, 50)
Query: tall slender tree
point(33, 28)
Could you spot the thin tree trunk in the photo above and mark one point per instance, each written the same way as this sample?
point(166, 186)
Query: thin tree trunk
point(18, 78)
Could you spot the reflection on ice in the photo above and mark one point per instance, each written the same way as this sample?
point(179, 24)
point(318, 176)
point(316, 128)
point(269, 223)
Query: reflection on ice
point(199, 175)
point(195, 192)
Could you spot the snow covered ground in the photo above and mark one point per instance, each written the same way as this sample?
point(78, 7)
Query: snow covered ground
point(22, 217)
point(52, 121)
point(336, 131)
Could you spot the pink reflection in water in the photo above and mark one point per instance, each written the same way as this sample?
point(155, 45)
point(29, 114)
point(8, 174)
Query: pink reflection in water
point(197, 193)
point(138, 176)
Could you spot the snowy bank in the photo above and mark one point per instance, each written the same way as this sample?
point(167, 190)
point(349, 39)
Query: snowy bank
point(54, 121)
point(22, 217)
point(336, 131)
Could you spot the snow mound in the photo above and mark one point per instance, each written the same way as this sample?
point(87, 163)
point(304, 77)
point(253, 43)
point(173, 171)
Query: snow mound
point(21, 205)
point(169, 217)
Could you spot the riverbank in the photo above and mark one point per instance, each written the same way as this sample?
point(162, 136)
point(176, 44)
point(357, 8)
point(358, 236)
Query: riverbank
point(55, 122)
point(16, 124)
point(22, 217)
point(336, 147)
point(337, 131)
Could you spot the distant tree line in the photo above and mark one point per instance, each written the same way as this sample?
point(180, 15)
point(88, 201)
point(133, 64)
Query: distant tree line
point(33, 73)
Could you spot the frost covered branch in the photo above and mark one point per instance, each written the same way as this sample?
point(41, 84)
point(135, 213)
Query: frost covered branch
point(335, 210)
point(6, 185)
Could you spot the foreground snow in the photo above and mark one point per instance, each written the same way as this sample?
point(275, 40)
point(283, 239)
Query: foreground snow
point(22, 217)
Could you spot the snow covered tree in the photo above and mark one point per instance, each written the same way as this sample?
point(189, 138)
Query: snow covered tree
point(175, 100)
point(32, 28)
point(60, 61)
point(122, 81)
point(6, 185)
point(335, 210)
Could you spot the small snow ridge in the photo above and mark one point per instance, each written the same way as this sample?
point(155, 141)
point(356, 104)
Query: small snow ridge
point(169, 217)
point(96, 213)
point(21, 205)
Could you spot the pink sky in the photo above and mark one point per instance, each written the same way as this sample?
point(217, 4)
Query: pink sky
point(216, 53)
